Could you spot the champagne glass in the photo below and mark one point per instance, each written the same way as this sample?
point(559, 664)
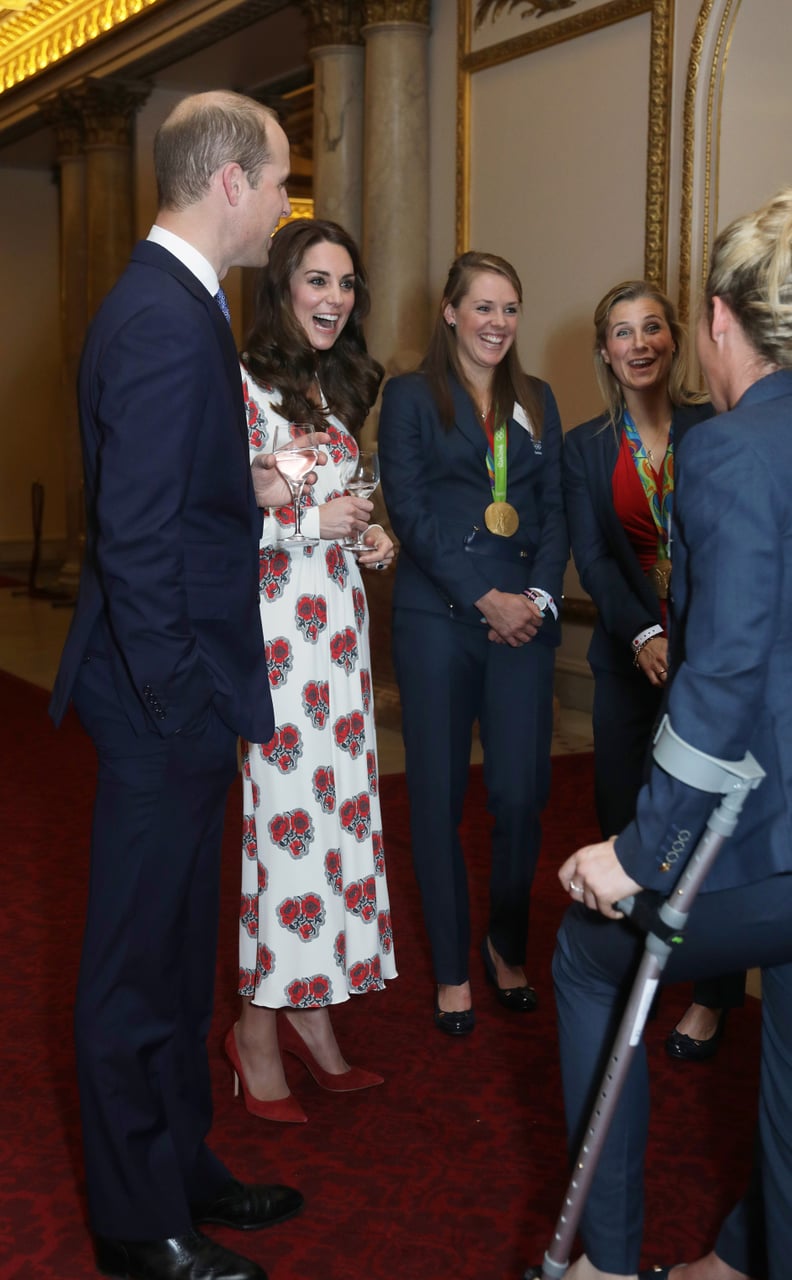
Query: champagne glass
point(296, 451)
point(362, 482)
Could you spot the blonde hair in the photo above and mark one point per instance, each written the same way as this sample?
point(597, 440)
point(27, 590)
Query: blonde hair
point(609, 385)
point(751, 270)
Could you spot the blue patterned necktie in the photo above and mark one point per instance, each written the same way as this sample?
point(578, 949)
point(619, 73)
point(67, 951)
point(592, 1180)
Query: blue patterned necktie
point(222, 302)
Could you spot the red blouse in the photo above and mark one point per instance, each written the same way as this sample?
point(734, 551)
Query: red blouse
point(629, 501)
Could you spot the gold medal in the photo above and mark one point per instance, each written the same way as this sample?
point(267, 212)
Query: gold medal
point(501, 518)
point(660, 577)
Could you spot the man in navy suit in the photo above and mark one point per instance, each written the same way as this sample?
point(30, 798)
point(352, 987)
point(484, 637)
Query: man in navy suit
point(165, 664)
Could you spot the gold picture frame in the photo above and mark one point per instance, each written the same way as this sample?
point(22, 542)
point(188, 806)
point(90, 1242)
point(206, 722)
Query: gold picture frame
point(594, 18)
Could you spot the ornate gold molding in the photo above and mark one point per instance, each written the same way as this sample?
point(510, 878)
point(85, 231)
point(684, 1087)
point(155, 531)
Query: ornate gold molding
point(50, 30)
point(658, 140)
point(689, 159)
point(333, 22)
point(376, 12)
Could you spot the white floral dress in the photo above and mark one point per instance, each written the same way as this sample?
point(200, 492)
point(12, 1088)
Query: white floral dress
point(315, 923)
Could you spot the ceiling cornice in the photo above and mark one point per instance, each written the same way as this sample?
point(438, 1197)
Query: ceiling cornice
point(53, 44)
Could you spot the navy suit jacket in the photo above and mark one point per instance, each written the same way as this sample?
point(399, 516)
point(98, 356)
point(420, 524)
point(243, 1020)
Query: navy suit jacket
point(607, 565)
point(169, 583)
point(732, 641)
point(436, 489)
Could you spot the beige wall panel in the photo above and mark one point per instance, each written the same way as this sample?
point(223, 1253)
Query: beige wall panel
point(558, 186)
point(31, 445)
point(442, 143)
point(756, 121)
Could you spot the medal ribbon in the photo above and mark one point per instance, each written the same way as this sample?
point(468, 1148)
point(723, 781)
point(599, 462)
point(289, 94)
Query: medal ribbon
point(497, 465)
point(659, 496)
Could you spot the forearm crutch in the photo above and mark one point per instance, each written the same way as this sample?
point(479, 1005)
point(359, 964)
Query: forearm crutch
point(664, 925)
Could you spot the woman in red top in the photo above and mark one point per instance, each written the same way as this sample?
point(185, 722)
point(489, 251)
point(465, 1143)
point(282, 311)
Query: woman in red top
point(618, 484)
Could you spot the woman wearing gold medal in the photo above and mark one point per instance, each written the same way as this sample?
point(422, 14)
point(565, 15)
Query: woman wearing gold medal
point(470, 453)
point(618, 483)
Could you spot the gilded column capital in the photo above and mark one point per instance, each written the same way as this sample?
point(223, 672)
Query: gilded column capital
point(333, 22)
point(108, 109)
point(63, 114)
point(377, 12)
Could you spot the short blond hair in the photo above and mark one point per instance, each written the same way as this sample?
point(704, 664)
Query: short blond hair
point(751, 270)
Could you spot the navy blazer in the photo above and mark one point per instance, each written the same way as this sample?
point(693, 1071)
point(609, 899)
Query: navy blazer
point(607, 565)
point(732, 640)
point(436, 489)
point(169, 583)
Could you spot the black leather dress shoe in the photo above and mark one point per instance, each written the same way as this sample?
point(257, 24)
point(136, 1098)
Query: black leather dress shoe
point(656, 1273)
point(189, 1257)
point(518, 999)
point(249, 1207)
point(454, 1022)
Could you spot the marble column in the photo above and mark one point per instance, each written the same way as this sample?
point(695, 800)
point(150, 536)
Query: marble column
point(109, 109)
point(63, 114)
point(336, 47)
point(396, 179)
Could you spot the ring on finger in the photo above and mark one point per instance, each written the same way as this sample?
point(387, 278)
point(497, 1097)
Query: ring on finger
point(575, 888)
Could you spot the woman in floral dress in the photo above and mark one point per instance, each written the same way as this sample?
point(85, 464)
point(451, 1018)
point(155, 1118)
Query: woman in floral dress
point(315, 920)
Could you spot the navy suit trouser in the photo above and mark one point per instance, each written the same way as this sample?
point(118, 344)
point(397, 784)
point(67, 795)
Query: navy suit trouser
point(593, 966)
point(624, 716)
point(449, 675)
point(145, 990)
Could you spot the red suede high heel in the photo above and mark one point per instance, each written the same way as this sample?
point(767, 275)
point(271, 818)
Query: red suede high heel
point(340, 1082)
point(285, 1110)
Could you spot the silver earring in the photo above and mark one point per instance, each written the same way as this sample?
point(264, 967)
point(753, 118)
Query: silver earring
point(452, 324)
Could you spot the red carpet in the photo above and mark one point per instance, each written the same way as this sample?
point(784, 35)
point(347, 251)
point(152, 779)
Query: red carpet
point(452, 1171)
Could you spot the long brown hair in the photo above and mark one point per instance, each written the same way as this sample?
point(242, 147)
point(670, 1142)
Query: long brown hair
point(279, 353)
point(510, 382)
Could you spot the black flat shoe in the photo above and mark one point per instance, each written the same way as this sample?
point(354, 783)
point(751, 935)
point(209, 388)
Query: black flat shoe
point(518, 999)
point(685, 1049)
point(456, 1023)
point(249, 1207)
point(177, 1258)
point(656, 1273)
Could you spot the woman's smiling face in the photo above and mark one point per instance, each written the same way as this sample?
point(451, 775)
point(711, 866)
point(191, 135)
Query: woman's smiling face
point(485, 322)
point(639, 345)
point(323, 293)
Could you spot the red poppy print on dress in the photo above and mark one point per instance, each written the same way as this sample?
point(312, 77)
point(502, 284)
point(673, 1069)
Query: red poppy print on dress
point(332, 870)
point(247, 982)
point(303, 915)
point(371, 770)
point(256, 419)
point(279, 661)
point(248, 914)
point(324, 787)
point(341, 446)
point(265, 962)
point(262, 877)
point(359, 607)
point(249, 843)
point(344, 650)
point(337, 567)
point(292, 831)
point(285, 518)
point(379, 853)
point(311, 616)
point(360, 898)
point(274, 572)
point(350, 733)
point(355, 815)
point(365, 688)
point(309, 993)
point(339, 951)
point(284, 748)
point(385, 931)
point(316, 702)
point(366, 975)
